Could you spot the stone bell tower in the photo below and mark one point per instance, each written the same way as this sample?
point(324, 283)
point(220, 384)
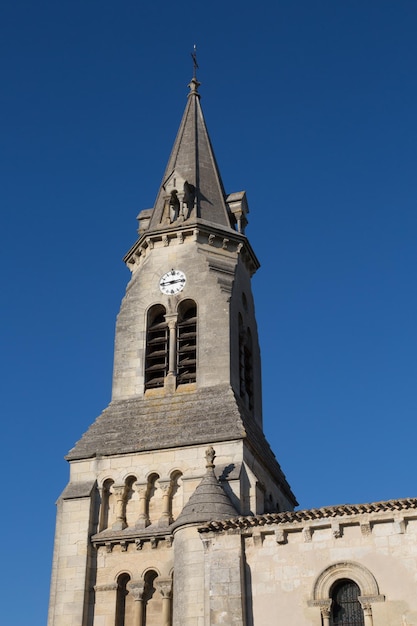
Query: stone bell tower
point(186, 391)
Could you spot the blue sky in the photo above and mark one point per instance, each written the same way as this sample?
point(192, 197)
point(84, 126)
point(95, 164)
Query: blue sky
point(311, 107)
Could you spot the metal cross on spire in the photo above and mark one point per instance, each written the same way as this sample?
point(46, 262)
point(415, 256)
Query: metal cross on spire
point(195, 64)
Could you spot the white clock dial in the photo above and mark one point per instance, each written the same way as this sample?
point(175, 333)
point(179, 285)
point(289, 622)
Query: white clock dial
point(172, 282)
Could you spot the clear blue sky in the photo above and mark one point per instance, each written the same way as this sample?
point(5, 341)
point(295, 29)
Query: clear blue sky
point(311, 106)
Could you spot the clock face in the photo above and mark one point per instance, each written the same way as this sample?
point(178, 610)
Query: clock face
point(172, 282)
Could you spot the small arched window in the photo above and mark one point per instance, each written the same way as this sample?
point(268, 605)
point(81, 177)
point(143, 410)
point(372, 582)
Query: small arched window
point(346, 609)
point(187, 342)
point(124, 602)
point(157, 344)
point(152, 602)
point(107, 505)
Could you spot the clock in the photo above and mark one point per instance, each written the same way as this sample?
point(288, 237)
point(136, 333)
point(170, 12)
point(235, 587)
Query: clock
point(172, 282)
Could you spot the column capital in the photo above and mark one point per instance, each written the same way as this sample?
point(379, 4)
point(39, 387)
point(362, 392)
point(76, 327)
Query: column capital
point(137, 589)
point(164, 586)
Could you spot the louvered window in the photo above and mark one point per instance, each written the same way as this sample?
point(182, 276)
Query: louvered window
point(187, 343)
point(346, 608)
point(157, 343)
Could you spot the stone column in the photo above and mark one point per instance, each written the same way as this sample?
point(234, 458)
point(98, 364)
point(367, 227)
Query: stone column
point(164, 586)
point(172, 325)
point(137, 589)
point(142, 491)
point(325, 612)
point(170, 380)
point(367, 612)
point(120, 494)
point(166, 489)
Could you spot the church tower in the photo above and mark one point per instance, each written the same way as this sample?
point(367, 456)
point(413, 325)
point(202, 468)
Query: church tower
point(181, 442)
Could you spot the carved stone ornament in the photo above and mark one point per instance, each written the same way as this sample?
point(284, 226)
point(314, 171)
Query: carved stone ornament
point(139, 544)
point(164, 586)
point(210, 456)
point(137, 589)
point(280, 536)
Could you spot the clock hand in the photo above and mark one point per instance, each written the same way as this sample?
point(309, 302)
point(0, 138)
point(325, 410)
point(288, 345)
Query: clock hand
point(172, 282)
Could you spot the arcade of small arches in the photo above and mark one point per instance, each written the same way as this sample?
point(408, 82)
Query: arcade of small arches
point(140, 503)
point(145, 600)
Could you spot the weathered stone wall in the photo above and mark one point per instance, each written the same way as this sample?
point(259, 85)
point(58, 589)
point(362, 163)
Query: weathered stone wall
point(290, 568)
point(210, 272)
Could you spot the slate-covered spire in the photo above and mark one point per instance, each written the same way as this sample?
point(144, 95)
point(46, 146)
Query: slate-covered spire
point(191, 188)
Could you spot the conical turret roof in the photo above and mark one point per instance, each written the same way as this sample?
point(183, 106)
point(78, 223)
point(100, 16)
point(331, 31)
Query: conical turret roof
point(192, 173)
point(209, 501)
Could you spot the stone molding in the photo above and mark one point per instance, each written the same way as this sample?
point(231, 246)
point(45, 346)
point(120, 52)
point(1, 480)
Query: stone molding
point(352, 571)
point(139, 540)
point(233, 242)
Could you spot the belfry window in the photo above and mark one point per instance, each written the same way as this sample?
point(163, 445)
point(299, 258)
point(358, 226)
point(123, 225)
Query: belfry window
point(346, 609)
point(245, 365)
point(157, 348)
point(187, 342)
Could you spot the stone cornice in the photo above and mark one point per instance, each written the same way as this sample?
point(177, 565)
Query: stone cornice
point(393, 508)
point(201, 233)
point(135, 536)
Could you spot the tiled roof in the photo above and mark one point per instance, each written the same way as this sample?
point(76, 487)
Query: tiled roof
point(310, 515)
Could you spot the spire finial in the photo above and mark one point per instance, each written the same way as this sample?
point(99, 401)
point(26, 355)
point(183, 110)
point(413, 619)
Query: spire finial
point(210, 454)
point(195, 64)
point(194, 84)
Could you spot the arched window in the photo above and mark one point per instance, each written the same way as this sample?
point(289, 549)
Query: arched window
point(245, 364)
point(107, 505)
point(132, 503)
point(154, 500)
point(176, 504)
point(124, 602)
point(152, 602)
point(157, 344)
point(345, 593)
point(187, 342)
point(346, 609)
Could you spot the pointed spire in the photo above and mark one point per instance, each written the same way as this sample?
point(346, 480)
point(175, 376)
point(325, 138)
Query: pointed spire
point(192, 188)
point(209, 501)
